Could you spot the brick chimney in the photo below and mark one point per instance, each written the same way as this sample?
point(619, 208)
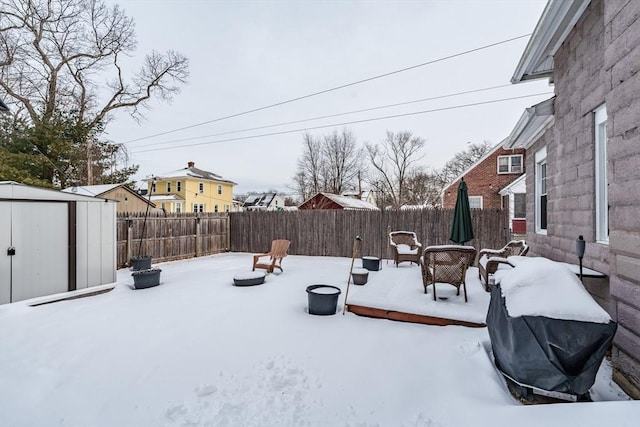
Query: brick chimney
point(190, 164)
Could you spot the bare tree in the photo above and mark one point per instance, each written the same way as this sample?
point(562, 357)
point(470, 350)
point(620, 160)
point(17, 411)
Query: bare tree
point(65, 55)
point(393, 162)
point(329, 164)
point(461, 161)
point(423, 188)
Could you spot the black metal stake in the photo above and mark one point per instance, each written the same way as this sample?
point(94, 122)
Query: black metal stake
point(580, 247)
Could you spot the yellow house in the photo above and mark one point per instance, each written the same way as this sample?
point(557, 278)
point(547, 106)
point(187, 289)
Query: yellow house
point(191, 190)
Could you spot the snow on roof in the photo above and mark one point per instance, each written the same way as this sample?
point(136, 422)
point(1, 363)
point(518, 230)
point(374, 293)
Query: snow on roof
point(538, 286)
point(349, 202)
point(166, 197)
point(91, 190)
point(259, 200)
point(193, 172)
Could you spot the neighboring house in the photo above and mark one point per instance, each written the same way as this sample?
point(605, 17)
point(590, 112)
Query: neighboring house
point(334, 201)
point(3, 107)
point(584, 165)
point(192, 190)
point(514, 199)
point(486, 177)
point(264, 202)
point(128, 200)
point(364, 195)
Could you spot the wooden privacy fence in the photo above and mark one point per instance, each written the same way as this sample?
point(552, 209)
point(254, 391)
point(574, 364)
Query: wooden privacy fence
point(171, 236)
point(332, 232)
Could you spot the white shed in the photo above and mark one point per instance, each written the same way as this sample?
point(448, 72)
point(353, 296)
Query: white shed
point(52, 242)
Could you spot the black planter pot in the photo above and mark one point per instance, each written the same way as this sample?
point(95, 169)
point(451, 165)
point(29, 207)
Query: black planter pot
point(371, 263)
point(360, 276)
point(323, 299)
point(141, 263)
point(143, 279)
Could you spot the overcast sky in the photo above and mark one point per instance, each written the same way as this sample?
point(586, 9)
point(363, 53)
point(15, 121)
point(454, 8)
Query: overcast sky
point(249, 54)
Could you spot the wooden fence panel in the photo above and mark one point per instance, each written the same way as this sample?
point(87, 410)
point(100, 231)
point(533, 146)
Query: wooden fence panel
point(331, 232)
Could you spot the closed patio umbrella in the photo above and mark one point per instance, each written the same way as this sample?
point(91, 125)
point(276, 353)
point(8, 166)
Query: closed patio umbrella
point(461, 227)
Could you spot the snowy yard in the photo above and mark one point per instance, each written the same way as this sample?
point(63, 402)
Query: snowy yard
point(198, 351)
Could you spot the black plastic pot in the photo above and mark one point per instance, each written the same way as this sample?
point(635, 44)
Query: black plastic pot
point(249, 279)
point(323, 299)
point(360, 276)
point(371, 263)
point(141, 263)
point(143, 279)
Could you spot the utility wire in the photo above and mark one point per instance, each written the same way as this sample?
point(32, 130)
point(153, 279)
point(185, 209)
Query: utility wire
point(344, 123)
point(444, 58)
point(324, 117)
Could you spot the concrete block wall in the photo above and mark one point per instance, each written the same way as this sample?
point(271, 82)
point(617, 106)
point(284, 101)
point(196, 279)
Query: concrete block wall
point(622, 67)
point(484, 180)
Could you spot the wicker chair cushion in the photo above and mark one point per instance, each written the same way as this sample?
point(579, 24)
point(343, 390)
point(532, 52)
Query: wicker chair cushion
point(406, 249)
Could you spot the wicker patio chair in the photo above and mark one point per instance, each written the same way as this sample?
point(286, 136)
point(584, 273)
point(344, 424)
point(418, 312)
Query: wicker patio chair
point(490, 260)
point(446, 264)
point(276, 254)
point(405, 246)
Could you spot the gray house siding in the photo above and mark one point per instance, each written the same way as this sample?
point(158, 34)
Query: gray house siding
point(598, 63)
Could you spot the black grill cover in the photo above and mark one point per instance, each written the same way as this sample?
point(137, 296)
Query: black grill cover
point(549, 354)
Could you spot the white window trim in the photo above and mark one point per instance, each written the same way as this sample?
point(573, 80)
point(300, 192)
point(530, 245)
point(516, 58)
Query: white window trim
point(168, 186)
point(201, 187)
point(510, 165)
point(219, 189)
point(177, 207)
point(178, 186)
point(476, 197)
point(540, 157)
point(601, 193)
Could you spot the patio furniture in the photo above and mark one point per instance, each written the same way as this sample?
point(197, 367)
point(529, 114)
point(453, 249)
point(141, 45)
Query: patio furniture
point(276, 254)
point(446, 264)
point(405, 246)
point(490, 260)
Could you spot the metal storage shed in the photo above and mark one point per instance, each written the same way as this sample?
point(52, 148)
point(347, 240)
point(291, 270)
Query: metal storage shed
point(52, 242)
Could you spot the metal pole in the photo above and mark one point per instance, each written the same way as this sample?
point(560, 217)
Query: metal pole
point(354, 254)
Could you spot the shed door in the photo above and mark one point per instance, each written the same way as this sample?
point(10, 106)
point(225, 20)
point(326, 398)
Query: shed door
point(39, 233)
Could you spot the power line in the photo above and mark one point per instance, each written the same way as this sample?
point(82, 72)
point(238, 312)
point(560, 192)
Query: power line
point(326, 116)
point(444, 58)
point(345, 123)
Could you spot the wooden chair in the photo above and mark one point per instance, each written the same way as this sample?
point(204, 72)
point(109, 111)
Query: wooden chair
point(405, 246)
point(276, 254)
point(446, 264)
point(489, 260)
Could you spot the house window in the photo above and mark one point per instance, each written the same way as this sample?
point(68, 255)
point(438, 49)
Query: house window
point(178, 207)
point(198, 208)
point(219, 189)
point(168, 186)
point(510, 164)
point(178, 186)
point(475, 202)
point(602, 199)
point(201, 187)
point(541, 191)
point(153, 187)
point(226, 208)
point(215, 208)
point(519, 205)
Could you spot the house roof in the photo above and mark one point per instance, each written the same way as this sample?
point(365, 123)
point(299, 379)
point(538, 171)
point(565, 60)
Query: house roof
point(166, 197)
point(533, 122)
point(192, 172)
point(348, 202)
point(262, 200)
point(480, 160)
point(516, 186)
point(557, 20)
point(99, 190)
point(3, 107)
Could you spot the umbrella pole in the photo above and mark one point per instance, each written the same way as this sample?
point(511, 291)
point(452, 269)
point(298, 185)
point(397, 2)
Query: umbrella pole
point(354, 253)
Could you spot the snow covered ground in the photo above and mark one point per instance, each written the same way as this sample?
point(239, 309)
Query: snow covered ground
point(198, 351)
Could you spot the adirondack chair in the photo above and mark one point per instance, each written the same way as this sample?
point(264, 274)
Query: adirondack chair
point(446, 264)
point(276, 254)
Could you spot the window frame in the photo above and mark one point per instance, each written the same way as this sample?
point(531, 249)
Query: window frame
point(476, 198)
point(541, 160)
point(515, 204)
point(219, 189)
point(178, 186)
point(201, 187)
point(600, 175)
point(510, 164)
point(177, 206)
point(168, 186)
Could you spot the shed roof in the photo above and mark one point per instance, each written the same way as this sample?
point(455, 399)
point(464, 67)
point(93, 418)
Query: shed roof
point(100, 190)
point(345, 202)
point(15, 190)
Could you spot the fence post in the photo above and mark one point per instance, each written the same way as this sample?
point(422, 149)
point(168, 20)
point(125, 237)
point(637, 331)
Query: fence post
point(129, 240)
point(228, 231)
point(197, 219)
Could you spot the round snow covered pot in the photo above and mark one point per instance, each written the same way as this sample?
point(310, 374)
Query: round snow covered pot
point(360, 276)
point(323, 299)
point(149, 278)
point(141, 263)
point(371, 263)
point(251, 278)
